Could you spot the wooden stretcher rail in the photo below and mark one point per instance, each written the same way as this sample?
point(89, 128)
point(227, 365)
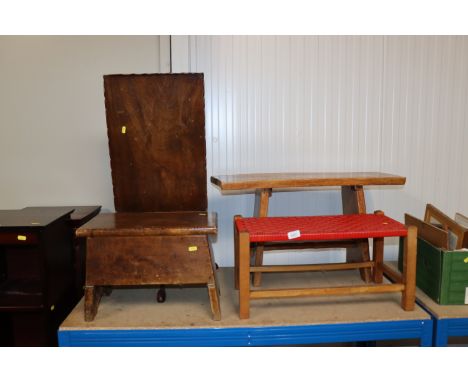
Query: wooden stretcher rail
point(312, 267)
point(392, 274)
point(331, 291)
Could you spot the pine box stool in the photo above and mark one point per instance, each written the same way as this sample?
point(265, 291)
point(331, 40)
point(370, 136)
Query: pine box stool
point(324, 229)
point(159, 234)
point(146, 249)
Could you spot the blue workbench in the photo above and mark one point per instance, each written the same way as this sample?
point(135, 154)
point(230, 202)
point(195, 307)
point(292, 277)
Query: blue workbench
point(132, 317)
point(448, 320)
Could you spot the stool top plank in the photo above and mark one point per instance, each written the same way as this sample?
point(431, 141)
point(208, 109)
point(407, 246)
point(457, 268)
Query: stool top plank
point(304, 179)
point(150, 224)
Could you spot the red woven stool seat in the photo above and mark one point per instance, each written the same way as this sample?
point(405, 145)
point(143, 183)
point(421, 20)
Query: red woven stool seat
point(311, 228)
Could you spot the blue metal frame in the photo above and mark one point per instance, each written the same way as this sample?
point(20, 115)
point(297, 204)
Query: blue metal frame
point(449, 327)
point(253, 336)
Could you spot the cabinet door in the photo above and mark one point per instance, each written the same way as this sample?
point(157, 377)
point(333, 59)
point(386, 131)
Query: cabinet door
point(156, 130)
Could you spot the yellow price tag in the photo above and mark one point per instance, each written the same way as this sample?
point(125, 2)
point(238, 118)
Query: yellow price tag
point(124, 129)
point(192, 248)
point(466, 260)
point(22, 237)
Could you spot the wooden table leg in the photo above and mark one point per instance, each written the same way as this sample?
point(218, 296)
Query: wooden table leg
point(354, 202)
point(262, 197)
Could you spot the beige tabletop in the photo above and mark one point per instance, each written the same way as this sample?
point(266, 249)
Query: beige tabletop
point(439, 311)
point(190, 307)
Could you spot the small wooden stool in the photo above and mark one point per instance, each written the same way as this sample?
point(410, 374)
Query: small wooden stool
point(148, 249)
point(324, 228)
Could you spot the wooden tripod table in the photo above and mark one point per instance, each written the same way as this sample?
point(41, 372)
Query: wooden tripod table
point(148, 249)
point(352, 196)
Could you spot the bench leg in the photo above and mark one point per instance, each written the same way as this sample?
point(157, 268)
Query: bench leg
point(354, 202)
point(244, 275)
point(409, 269)
point(261, 210)
point(92, 297)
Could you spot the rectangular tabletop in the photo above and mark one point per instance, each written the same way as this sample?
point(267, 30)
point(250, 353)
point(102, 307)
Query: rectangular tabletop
point(132, 316)
point(32, 218)
point(150, 223)
point(79, 216)
point(304, 179)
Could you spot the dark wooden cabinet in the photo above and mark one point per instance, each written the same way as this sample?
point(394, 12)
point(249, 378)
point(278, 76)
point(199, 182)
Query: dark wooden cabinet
point(40, 272)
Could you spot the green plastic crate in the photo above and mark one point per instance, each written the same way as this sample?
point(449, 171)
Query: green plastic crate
point(441, 274)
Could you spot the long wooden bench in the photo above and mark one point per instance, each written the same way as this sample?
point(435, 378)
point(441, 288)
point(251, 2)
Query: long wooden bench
point(324, 229)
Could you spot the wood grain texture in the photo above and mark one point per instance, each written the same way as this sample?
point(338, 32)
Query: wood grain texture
point(335, 291)
point(448, 224)
point(392, 274)
point(148, 260)
point(244, 275)
point(150, 224)
point(312, 179)
point(260, 209)
point(354, 202)
point(428, 232)
point(156, 131)
point(409, 269)
point(314, 267)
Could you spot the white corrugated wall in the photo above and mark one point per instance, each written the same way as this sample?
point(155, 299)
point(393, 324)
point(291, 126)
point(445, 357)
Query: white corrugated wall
point(396, 104)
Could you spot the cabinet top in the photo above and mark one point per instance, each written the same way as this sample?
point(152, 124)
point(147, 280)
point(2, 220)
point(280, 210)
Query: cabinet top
point(36, 217)
point(79, 216)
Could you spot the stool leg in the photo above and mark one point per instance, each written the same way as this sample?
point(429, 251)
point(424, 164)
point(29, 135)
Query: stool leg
point(214, 300)
point(236, 253)
point(377, 250)
point(92, 297)
point(409, 269)
point(244, 275)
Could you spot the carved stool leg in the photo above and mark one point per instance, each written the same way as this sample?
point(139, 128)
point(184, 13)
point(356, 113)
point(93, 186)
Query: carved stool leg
point(92, 296)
